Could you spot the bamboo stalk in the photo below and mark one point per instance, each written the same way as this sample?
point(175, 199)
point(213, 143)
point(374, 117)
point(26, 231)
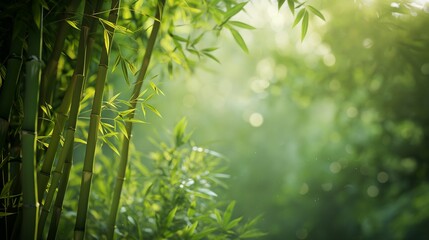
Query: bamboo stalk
point(126, 139)
point(72, 98)
point(62, 172)
point(68, 145)
point(62, 116)
point(7, 96)
point(94, 126)
point(8, 89)
point(47, 83)
point(58, 205)
point(29, 127)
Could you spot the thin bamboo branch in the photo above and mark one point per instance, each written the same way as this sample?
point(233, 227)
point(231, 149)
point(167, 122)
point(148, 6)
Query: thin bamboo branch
point(126, 139)
point(29, 127)
point(94, 126)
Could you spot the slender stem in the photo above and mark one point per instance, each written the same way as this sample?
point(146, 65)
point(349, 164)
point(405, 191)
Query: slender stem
point(62, 171)
point(58, 205)
point(71, 100)
point(68, 144)
point(29, 128)
point(94, 126)
point(62, 116)
point(126, 139)
point(48, 80)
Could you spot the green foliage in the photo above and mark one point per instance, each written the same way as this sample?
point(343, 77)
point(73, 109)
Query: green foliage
point(75, 43)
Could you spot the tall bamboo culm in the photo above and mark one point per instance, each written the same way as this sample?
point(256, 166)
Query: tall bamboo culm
point(62, 170)
point(10, 171)
point(30, 209)
point(94, 126)
point(126, 139)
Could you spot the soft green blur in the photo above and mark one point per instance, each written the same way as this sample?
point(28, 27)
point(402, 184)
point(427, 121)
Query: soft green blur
point(327, 138)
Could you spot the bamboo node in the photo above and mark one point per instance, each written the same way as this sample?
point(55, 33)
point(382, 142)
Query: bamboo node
point(121, 178)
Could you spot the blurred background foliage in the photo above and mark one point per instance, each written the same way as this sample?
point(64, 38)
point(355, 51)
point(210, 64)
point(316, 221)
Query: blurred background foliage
point(326, 137)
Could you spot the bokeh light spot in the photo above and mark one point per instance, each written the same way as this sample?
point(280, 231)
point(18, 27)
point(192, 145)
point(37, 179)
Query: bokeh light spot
point(256, 119)
point(372, 191)
point(382, 177)
point(335, 167)
point(367, 43)
point(329, 59)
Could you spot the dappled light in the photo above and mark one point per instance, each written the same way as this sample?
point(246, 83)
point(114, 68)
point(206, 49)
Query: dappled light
point(225, 119)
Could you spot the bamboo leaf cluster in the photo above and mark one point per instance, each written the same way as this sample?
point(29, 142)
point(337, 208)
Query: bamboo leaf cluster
point(61, 115)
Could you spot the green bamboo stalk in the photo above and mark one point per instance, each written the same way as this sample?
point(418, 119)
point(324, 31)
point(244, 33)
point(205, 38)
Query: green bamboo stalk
point(126, 139)
point(48, 77)
point(47, 83)
point(71, 98)
point(62, 116)
point(8, 89)
point(58, 205)
point(29, 127)
point(94, 126)
point(65, 173)
point(68, 145)
point(7, 96)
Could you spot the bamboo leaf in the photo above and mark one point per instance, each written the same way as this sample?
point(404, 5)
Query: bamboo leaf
point(6, 188)
point(209, 49)
point(241, 25)
point(239, 39)
point(170, 69)
point(171, 216)
point(280, 3)
point(253, 233)
point(298, 17)
point(73, 24)
point(211, 56)
point(114, 26)
point(304, 25)
point(207, 192)
point(106, 40)
point(291, 4)
point(316, 12)
point(134, 120)
point(228, 213)
point(233, 223)
point(233, 11)
point(122, 128)
point(117, 60)
point(155, 88)
point(111, 146)
point(154, 110)
point(4, 214)
point(198, 39)
point(125, 72)
point(218, 216)
point(79, 140)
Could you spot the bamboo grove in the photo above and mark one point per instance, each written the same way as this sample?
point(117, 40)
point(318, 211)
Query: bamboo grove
point(59, 57)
